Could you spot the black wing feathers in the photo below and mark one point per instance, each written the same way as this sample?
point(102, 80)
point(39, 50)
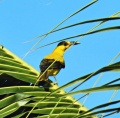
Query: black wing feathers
point(45, 63)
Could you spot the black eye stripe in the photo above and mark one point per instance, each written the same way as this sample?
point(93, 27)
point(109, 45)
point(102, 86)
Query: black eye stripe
point(63, 43)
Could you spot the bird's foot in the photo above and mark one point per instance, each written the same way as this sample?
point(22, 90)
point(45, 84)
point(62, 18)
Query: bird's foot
point(44, 83)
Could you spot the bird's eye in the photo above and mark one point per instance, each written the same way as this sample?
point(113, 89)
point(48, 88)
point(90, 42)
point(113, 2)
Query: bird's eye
point(65, 44)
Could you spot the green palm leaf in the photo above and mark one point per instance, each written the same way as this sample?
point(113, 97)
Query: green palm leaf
point(113, 67)
point(96, 89)
point(84, 22)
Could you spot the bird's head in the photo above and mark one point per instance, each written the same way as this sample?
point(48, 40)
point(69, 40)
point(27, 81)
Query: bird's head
point(64, 45)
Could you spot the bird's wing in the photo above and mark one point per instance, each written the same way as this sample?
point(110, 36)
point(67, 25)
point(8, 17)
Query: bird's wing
point(45, 63)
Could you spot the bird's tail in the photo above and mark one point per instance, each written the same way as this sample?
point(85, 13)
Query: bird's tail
point(43, 79)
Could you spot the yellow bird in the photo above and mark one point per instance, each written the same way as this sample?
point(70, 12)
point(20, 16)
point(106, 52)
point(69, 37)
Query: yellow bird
point(54, 62)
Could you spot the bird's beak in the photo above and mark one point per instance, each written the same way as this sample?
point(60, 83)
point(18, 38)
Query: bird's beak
point(74, 43)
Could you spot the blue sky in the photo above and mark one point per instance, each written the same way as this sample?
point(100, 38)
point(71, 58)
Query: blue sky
point(22, 20)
